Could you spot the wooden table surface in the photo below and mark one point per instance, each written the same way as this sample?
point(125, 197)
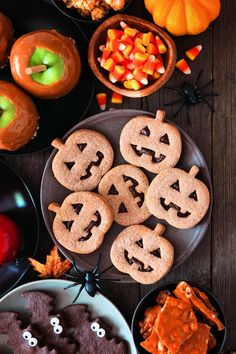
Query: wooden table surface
point(213, 264)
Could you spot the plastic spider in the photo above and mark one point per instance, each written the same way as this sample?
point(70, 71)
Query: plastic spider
point(89, 280)
point(191, 94)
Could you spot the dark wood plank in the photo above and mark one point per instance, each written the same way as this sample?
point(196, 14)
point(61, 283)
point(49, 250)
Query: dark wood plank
point(224, 166)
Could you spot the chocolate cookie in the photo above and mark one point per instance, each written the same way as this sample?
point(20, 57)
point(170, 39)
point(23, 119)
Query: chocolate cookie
point(20, 339)
point(92, 336)
point(47, 322)
point(125, 187)
point(81, 221)
point(151, 143)
point(178, 197)
point(82, 160)
point(142, 253)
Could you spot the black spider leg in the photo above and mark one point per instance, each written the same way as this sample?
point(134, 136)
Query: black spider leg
point(174, 102)
point(79, 292)
point(198, 79)
point(202, 88)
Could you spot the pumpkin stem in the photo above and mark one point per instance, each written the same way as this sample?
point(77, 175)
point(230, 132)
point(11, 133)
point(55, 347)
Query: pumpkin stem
point(194, 171)
point(160, 115)
point(159, 229)
point(54, 207)
point(57, 143)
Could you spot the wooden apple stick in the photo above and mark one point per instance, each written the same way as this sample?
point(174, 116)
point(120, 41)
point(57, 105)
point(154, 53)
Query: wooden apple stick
point(35, 69)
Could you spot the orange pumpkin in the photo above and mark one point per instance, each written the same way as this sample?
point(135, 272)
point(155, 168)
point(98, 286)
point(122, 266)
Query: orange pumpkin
point(182, 17)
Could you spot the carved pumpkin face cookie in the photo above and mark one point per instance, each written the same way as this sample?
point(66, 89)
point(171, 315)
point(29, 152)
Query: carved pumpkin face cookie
point(81, 221)
point(82, 160)
point(142, 253)
point(124, 187)
point(151, 143)
point(178, 197)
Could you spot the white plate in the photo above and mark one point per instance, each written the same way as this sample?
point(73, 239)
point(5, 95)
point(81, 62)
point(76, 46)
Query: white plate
point(98, 306)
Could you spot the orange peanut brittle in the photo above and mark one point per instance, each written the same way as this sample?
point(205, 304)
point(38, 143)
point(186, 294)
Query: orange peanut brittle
point(175, 323)
point(150, 316)
point(198, 342)
point(185, 292)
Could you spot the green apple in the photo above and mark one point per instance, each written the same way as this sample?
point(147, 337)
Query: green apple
point(7, 111)
point(54, 63)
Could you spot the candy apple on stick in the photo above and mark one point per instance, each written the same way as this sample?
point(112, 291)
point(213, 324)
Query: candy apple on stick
point(18, 117)
point(45, 63)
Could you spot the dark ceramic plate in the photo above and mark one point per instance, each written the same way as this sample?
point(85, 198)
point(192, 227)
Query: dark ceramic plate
point(149, 300)
point(110, 124)
point(56, 116)
point(75, 15)
point(17, 203)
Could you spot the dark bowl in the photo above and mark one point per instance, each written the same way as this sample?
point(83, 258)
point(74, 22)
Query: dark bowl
point(149, 300)
point(73, 14)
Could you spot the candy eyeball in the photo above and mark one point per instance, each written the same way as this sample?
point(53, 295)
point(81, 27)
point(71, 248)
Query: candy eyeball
point(95, 327)
point(101, 333)
point(27, 335)
point(32, 342)
point(58, 329)
point(55, 322)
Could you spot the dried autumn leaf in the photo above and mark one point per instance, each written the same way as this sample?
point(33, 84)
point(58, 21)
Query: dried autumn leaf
point(53, 268)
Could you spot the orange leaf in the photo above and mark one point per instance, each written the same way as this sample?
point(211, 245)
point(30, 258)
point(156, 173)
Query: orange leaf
point(53, 268)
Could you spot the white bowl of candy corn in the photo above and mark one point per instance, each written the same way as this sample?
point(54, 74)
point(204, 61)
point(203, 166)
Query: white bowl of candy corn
point(131, 56)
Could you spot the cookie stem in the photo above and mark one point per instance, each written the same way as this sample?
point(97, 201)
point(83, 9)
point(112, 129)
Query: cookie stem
point(194, 171)
point(57, 143)
point(160, 115)
point(159, 229)
point(54, 207)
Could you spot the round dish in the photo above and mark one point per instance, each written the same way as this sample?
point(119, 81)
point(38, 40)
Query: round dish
point(17, 203)
point(99, 38)
point(99, 306)
point(56, 116)
point(110, 124)
point(75, 15)
point(149, 300)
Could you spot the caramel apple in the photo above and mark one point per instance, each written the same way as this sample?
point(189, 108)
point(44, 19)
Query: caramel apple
point(18, 117)
point(6, 38)
point(45, 63)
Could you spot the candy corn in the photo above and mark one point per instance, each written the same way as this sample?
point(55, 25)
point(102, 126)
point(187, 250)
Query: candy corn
point(140, 76)
point(132, 57)
point(117, 73)
point(114, 33)
point(194, 52)
point(102, 100)
point(149, 66)
point(116, 98)
point(161, 46)
point(123, 25)
point(109, 64)
point(182, 65)
point(159, 67)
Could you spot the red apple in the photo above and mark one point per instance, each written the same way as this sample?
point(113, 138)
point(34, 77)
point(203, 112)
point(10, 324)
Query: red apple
point(9, 239)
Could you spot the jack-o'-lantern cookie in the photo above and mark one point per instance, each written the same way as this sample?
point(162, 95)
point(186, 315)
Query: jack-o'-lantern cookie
point(178, 197)
point(142, 253)
point(124, 187)
point(82, 160)
point(81, 221)
point(151, 143)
